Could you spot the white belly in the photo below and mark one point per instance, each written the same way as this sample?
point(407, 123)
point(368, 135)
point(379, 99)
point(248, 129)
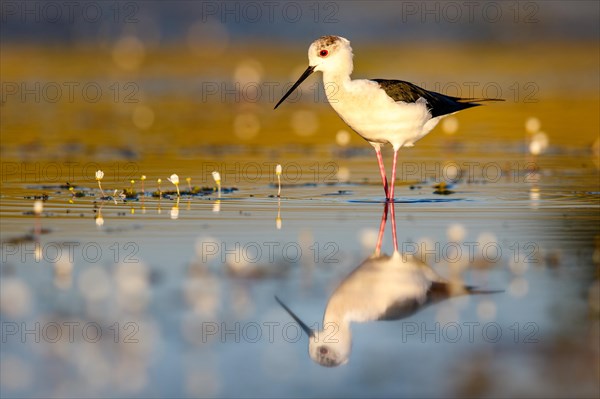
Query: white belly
point(370, 112)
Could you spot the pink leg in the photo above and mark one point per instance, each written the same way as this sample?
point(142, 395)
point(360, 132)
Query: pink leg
point(382, 171)
point(391, 196)
point(394, 235)
point(381, 229)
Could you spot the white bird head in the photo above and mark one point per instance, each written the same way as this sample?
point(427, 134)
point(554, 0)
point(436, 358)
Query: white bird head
point(328, 54)
point(329, 347)
point(331, 54)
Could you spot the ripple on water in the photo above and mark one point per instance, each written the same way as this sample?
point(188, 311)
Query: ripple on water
point(409, 200)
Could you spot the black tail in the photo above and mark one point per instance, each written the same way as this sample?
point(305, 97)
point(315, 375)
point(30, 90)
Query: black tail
point(475, 101)
point(477, 290)
point(455, 104)
point(443, 290)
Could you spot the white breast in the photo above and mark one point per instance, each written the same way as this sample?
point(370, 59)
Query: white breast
point(377, 284)
point(376, 117)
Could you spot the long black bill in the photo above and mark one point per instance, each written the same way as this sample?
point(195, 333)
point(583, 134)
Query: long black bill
point(302, 78)
point(306, 328)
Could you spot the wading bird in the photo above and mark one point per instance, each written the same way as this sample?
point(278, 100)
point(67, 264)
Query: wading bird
point(381, 111)
point(381, 288)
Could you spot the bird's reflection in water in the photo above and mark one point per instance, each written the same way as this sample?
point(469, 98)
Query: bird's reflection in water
point(383, 287)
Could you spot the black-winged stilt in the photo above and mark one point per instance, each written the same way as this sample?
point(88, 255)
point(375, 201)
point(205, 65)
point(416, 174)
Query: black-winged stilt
point(381, 111)
point(382, 287)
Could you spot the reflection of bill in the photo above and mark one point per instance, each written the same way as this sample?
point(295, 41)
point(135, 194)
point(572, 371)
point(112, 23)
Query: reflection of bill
point(265, 252)
point(383, 287)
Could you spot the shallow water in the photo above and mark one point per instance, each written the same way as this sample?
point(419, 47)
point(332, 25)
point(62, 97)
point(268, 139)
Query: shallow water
point(155, 296)
point(168, 298)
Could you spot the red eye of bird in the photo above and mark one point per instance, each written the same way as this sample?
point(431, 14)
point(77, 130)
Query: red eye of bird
point(323, 350)
point(323, 53)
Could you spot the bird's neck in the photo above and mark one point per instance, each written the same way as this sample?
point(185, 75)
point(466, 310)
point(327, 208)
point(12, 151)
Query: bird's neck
point(336, 331)
point(336, 77)
point(336, 86)
point(337, 321)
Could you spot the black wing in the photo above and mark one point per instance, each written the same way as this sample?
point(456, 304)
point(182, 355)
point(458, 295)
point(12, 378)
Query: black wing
point(438, 104)
point(400, 309)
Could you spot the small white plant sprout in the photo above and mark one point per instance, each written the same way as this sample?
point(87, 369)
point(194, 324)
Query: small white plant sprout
point(278, 218)
point(159, 180)
point(100, 176)
point(38, 207)
point(99, 218)
point(217, 177)
point(175, 210)
point(143, 178)
point(175, 180)
point(278, 171)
